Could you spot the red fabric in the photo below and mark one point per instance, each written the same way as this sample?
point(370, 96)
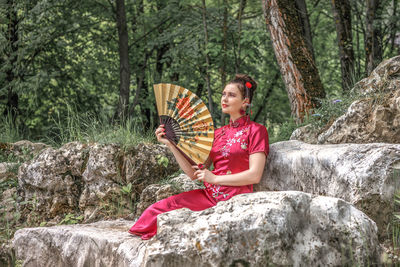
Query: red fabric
point(233, 144)
point(230, 153)
point(196, 200)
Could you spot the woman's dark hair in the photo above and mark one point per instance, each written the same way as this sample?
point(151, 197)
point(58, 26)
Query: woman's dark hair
point(240, 80)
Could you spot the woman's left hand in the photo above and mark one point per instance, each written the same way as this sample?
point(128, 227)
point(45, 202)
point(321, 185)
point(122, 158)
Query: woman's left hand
point(204, 175)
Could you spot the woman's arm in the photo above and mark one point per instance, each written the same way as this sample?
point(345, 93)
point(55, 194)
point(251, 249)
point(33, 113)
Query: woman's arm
point(182, 161)
point(251, 176)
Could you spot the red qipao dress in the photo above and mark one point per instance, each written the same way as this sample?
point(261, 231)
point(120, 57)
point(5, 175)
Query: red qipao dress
point(230, 153)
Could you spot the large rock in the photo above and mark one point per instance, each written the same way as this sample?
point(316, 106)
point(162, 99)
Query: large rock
point(8, 170)
point(259, 229)
point(104, 243)
point(375, 117)
point(85, 178)
point(20, 151)
point(52, 180)
point(362, 174)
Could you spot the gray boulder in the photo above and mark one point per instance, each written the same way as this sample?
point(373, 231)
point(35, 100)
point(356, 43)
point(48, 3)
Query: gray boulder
point(104, 243)
point(362, 174)
point(88, 177)
point(260, 229)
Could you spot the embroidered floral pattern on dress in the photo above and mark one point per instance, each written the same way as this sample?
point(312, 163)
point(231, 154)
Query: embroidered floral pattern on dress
point(216, 191)
point(238, 138)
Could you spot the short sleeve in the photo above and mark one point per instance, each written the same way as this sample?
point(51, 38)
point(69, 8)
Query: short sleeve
point(258, 140)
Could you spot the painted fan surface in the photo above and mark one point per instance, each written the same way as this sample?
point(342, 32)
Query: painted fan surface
point(188, 123)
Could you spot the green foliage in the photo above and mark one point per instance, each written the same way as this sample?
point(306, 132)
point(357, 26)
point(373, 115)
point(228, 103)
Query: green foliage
point(127, 189)
point(162, 160)
point(71, 219)
point(278, 132)
point(8, 183)
point(66, 55)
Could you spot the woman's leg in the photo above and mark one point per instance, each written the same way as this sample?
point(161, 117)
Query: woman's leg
point(196, 200)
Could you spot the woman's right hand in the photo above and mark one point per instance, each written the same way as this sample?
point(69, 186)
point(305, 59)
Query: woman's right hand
point(160, 132)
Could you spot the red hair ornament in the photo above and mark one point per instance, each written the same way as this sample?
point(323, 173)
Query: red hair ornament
point(248, 86)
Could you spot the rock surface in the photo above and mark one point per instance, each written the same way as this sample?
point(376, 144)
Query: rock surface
point(84, 178)
point(373, 118)
point(8, 171)
point(260, 229)
point(104, 243)
point(362, 174)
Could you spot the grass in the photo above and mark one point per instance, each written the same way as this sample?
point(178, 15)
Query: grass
point(9, 131)
point(82, 127)
point(97, 128)
point(331, 108)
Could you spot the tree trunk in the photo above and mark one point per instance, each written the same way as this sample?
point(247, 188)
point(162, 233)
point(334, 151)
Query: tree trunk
point(342, 15)
point(305, 23)
point(297, 67)
point(238, 60)
point(161, 49)
point(200, 85)
point(159, 65)
point(174, 76)
point(11, 108)
point(208, 65)
point(373, 40)
point(224, 53)
point(124, 69)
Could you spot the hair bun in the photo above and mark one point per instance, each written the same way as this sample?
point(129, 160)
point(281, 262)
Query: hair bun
point(246, 85)
point(244, 78)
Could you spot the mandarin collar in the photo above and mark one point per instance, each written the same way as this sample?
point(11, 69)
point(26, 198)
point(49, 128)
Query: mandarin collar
point(239, 122)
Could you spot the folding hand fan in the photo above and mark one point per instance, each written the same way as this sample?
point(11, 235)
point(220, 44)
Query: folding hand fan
point(188, 123)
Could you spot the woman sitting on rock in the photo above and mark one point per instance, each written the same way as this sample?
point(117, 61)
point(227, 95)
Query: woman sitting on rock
point(238, 155)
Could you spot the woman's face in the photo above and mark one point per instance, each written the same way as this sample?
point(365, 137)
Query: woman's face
point(232, 100)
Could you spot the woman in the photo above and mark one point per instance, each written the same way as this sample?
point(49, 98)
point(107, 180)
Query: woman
point(238, 155)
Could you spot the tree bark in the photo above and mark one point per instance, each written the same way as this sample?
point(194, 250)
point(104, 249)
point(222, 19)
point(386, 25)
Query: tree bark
point(208, 64)
point(305, 23)
point(238, 60)
point(342, 15)
point(124, 69)
point(161, 50)
point(373, 39)
point(297, 67)
point(11, 108)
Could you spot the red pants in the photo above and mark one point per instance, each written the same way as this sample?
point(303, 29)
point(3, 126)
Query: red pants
point(196, 200)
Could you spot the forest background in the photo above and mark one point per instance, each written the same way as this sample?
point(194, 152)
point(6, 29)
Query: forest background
point(84, 70)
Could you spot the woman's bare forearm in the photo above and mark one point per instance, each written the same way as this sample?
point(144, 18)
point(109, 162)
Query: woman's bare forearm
point(246, 177)
point(182, 161)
